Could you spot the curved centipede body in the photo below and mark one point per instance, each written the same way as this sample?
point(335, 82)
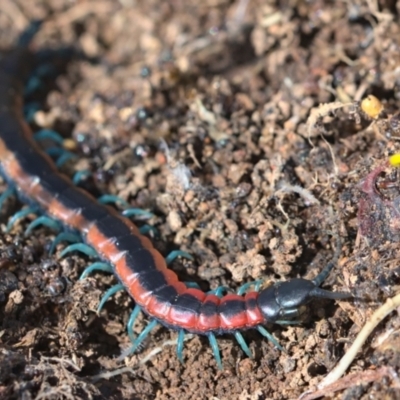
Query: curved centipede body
point(141, 270)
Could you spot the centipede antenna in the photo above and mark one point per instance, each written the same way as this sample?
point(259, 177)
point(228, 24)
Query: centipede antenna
point(320, 278)
point(324, 273)
point(326, 294)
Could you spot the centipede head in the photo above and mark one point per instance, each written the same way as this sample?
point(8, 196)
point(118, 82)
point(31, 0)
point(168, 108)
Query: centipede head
point(286, 301)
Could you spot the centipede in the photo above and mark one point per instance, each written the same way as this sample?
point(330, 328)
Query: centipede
point(124, 251)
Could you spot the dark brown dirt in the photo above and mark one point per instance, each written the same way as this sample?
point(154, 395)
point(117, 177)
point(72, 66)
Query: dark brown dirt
point(225, 90)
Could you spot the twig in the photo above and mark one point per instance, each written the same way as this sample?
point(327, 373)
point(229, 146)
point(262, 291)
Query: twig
point(379, 315)
point(353, 380)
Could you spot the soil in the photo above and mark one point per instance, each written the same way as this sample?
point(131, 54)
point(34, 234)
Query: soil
point(241, 126)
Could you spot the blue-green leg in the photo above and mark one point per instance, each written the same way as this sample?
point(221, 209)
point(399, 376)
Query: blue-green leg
point(19, 215)
point(132, 318)
point(266, 334)
point(30, 110)
point(43, 221)
point(64, 158)
point(219, 291)
point(60, 154)
point(175, 254)
point(112, 199)
point(244, 288)
point(243, 344)
point(48, 134)
point(32, 85)
point(64, 237)
point(143, 335)
point(80, 176)
point(215, 349)
point(146, 229)
point(192, 285)
point(110, 292)
point(97, 266)
point(80, 247)
point(179, 345)
point(9, 192)
point(137, 212)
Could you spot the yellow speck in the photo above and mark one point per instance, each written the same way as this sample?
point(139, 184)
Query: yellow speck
point(69, 144)
point(372, 106)
point(394, 160)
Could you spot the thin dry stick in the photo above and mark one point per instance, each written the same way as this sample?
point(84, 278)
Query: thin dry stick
point(355, 379)
point(320, 112)
point(378, 316)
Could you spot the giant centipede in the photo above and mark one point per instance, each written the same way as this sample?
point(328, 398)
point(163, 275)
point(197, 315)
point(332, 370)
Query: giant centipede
point(140, 269)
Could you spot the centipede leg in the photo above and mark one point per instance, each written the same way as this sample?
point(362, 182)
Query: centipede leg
point(175, 254)
point(19, 215)
point(143, 335)
point(266, 334)
point(243, 344)
point(137, 212)
point(146, 229)
point(179, 345)
point(48, 134)
point(81, 247)
point(9, 192)
point(97, 266)
point(112, 199)
point(64, 237)
point(215, 349)
point(80, 176)
point(244, 288)
point(43, 221)
point(131, 321)
point(110, 292)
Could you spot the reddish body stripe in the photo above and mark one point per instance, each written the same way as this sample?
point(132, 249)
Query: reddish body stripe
point(137, 264)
